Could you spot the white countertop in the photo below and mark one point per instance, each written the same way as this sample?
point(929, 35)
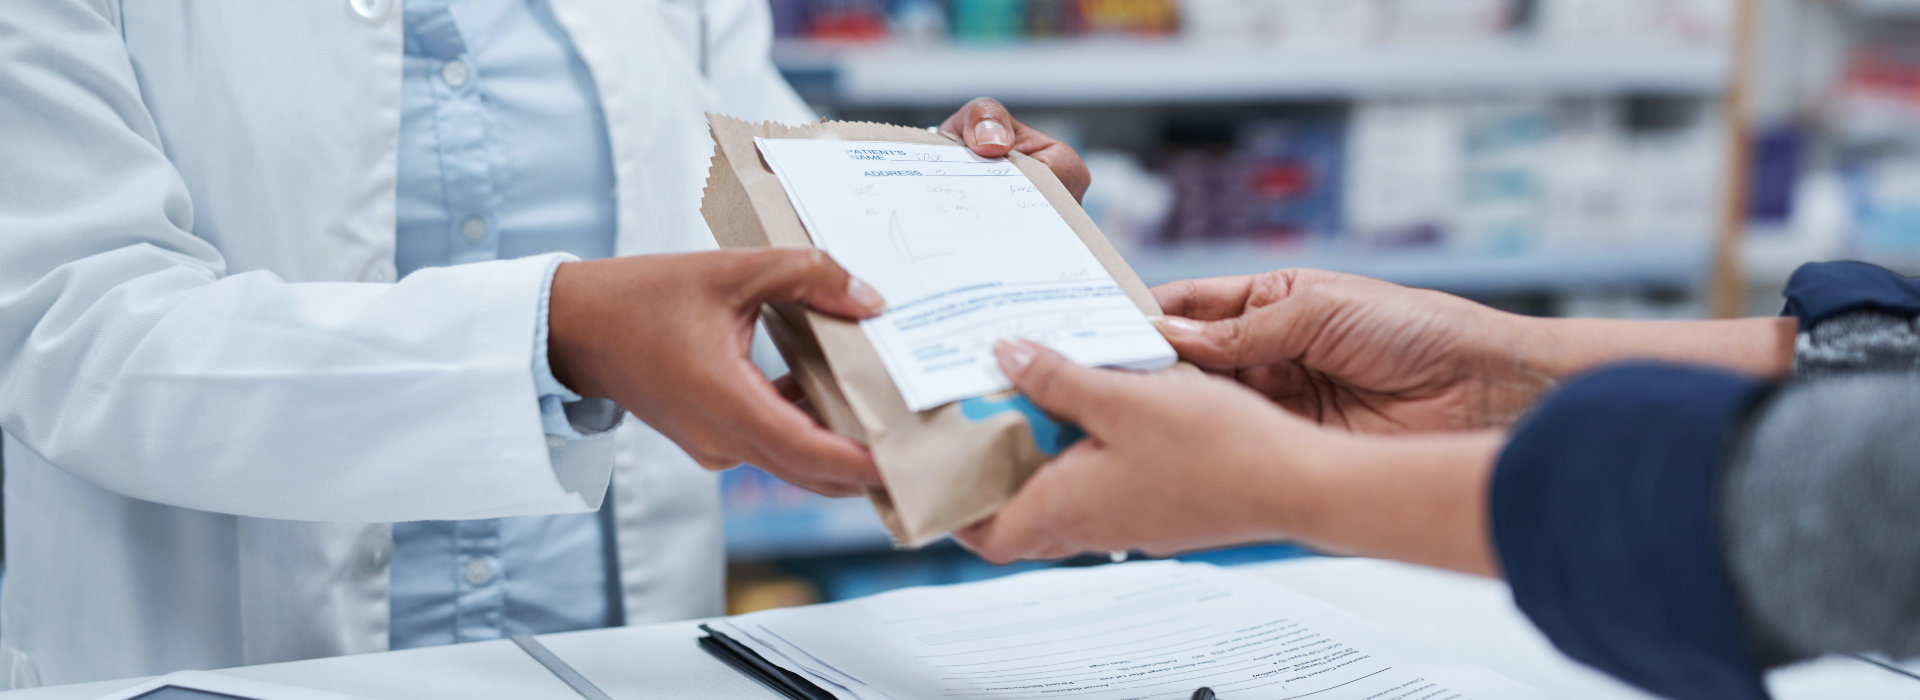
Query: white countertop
point(1470, 617)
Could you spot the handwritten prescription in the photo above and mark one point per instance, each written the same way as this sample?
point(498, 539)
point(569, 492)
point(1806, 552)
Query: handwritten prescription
point(967, 251)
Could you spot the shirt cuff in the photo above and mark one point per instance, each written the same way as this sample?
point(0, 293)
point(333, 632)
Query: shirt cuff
point(1602, 507)
point(564, 413)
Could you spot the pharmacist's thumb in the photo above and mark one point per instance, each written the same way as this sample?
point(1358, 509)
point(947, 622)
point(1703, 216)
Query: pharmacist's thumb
point(808, 275)
point(1054, 383)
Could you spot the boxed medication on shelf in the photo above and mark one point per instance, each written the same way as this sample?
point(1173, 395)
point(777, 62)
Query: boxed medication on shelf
point(1517, 175)
point(1280, 183)
point(1403, 156)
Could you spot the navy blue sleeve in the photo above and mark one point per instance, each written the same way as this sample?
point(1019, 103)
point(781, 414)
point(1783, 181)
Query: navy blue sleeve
point(1819, 291)
point(1603, 516)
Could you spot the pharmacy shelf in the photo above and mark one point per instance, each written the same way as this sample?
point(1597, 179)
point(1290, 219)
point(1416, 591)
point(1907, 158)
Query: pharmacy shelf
point(1119, 71)
point(1557, 270)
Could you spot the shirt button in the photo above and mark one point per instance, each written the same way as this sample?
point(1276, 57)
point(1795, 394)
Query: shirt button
point(374, 11)
point(375, 552)
point(478, 573)
point(379, 275)
point(474, 229)
point(455, 73)
point(555, 442)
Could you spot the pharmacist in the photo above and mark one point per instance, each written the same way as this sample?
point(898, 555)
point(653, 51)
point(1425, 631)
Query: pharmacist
point(275, 275)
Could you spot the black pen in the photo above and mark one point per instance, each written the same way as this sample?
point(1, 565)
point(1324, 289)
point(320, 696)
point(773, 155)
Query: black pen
point(1204, 693)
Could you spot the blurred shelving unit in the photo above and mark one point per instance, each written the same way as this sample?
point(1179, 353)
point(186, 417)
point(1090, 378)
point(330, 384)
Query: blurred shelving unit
point(1106, 76)
point(1839, 132)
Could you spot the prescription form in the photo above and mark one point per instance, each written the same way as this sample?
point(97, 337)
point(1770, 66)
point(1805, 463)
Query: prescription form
point(966, 251)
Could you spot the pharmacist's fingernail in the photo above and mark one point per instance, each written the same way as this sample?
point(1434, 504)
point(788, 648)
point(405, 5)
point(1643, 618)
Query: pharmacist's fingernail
point(1014, 355)
point(991, 133)
point(866, 295)
point(1176, 324)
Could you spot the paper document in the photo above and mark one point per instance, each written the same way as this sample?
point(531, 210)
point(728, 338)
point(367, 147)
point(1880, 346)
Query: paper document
point(1127, 632)
point(967, 251)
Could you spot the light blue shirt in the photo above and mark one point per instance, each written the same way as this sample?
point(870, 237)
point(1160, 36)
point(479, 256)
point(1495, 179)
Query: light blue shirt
point(503, 154)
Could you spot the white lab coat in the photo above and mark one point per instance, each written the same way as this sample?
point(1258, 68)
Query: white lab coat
point(212, 395)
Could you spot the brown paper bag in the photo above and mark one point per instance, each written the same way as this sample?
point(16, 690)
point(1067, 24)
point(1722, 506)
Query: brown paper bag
point(944, 468)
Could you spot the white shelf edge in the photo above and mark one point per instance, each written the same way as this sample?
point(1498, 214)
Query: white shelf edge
point(1158, 71)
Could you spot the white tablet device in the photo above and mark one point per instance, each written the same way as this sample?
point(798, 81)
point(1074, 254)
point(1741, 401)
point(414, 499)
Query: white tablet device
point(201, 685)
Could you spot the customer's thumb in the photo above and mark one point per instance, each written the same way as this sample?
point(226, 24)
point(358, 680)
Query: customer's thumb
point(1054, 383)
point(1214, 345)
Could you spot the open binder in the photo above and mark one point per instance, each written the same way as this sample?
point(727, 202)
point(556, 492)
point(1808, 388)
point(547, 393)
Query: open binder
point(755, 666)
point(1145, 631)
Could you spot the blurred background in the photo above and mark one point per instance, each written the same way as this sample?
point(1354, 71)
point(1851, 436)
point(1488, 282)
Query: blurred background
point(1622, 158)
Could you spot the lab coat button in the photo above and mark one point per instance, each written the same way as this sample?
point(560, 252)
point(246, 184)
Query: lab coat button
point(455, 73)
point(478, 573)
point(373, 11)
point(474, 228)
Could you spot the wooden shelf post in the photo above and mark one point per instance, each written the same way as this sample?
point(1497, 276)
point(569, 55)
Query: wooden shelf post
point(1727, 287)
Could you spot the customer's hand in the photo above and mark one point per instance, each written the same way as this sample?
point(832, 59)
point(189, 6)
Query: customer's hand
point(1176, 462)
point(1172, 462)
point(990, 131)
point(1357, 353)
point(667, 337)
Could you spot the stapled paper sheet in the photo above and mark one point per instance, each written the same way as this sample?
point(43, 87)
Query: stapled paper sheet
point(1148, 631)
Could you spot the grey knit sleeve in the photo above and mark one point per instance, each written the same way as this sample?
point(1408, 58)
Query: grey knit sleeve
point(1820, 499)
point(1820, 517)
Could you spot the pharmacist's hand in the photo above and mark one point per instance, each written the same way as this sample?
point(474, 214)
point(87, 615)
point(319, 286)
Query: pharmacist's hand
point(990, 131)
point(1172, 462)
point(667, 337)
point(1354, 352)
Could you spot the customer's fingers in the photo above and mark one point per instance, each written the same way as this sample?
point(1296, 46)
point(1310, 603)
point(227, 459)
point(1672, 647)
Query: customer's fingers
point(984, 125)
point(1039, 521)
point(1077, 394)
point(808, 275)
